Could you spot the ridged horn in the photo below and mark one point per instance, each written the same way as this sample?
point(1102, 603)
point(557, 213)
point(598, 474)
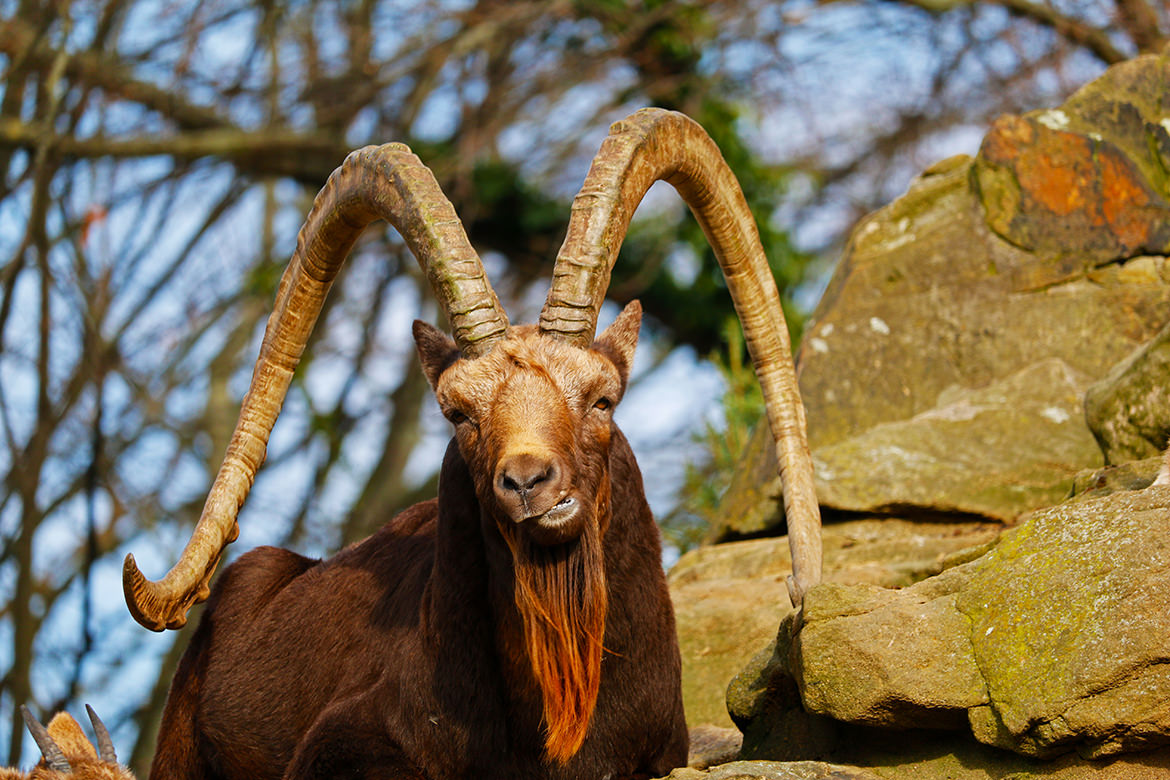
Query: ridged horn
point(386, 182)
point(651, 145)
point(105, 745)
point(53, 754)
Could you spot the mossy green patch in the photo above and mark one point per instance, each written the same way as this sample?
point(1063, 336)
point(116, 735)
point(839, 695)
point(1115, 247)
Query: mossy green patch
point(1062, 610)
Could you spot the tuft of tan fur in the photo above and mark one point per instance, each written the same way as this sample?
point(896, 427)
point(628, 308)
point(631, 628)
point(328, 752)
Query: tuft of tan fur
point(67, 733)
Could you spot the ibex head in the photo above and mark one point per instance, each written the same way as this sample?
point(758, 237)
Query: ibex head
point(528, 425)
point(533, 419)
point(68, 755)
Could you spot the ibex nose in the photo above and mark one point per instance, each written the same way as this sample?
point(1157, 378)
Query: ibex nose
point(525, 483)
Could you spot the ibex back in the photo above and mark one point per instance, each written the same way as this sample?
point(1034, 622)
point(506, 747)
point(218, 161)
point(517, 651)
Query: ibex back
point(519, 625)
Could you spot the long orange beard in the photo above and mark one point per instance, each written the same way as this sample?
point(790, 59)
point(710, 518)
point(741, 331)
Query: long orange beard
point(561, 596)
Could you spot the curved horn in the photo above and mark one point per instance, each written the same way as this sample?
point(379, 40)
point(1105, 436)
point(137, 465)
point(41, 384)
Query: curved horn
point(53, 754)
point(654, 144)
point(386, 182)
point(105, 745)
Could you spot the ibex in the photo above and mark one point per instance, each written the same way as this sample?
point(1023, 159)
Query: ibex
point(519, 625)
point(67, 754)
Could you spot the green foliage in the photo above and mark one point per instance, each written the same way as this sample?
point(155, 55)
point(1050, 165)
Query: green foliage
point(695, 309)
point(514, 217)
point(668, 54)
point(263, 279)
point(706, 482)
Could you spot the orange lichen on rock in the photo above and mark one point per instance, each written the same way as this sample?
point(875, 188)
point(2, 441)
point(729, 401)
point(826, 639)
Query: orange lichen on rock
point(1126, 202)
point(1067, 194)
point(1058, 173)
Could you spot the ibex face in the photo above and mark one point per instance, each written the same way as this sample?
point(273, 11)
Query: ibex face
point(533, 422)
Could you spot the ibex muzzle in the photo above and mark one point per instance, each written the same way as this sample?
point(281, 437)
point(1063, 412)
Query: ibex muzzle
point(532, 488)
point(527, 484)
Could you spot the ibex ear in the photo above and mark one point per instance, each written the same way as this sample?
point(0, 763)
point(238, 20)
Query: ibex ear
point(620, 339)
point(436, 350)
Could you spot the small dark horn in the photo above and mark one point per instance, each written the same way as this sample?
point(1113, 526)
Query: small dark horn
point(49, 749)
point(105, 745)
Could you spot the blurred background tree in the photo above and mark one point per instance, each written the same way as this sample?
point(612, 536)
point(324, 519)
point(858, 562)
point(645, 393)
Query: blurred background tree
point(158, 157)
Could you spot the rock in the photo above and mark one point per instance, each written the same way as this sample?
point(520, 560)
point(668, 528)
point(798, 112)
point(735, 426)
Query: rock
point(1129, 409)
point(1074, 199)
point(990, 297)
point(927, 298)
point(1084, 184)
point(934, 755)
point(727, 601)
point(765, 704)
point(1070, 624)
point(984, 270)
point(1112, 479)
point(729, 598)
point(860, 634)
point(711, 745)
point(1017, 442)
point(775, 770)
point(1057, 638)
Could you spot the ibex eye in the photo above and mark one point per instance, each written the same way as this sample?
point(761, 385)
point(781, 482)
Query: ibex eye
point(455, 416)
point(603, 404)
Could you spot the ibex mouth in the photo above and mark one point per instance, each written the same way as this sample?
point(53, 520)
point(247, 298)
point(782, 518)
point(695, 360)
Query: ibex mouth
point(564, 508)
point(558, 525)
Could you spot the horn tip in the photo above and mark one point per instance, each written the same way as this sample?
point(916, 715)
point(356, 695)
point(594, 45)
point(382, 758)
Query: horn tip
point(139, 599)
point(105, 743)
point(50, 750)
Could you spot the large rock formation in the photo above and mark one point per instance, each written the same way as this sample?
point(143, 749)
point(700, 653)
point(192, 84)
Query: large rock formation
point(1044, 251)
point(945, 374)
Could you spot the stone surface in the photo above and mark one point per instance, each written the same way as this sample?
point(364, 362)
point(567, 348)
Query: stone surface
point(1104, 481)
point(775, 770)
point(1127, 409)
point(995, 290)
point(1017, 442)
point(1070, 624)
point(1085, 183)
point(905, 656)
point(1074, 199)
point(729, 598)
point(932, 755)
point(713, 745)
point(1057, 638)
